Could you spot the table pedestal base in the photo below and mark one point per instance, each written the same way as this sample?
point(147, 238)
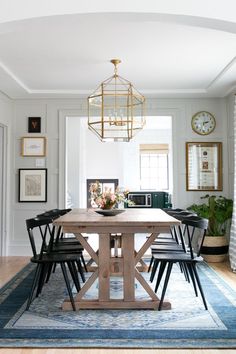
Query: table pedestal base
point(124, 266)
point(123, 261)
point(115, 305)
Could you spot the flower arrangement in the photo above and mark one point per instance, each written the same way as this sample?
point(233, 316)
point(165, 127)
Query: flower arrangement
point(106, 199)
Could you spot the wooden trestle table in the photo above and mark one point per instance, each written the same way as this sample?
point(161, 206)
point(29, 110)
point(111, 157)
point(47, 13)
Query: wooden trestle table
point(128, 223)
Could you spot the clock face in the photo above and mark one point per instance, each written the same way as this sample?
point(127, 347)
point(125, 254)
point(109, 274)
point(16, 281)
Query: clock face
point(203, 123)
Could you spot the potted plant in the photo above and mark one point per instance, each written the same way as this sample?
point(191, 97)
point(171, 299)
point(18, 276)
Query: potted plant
point(218, 210)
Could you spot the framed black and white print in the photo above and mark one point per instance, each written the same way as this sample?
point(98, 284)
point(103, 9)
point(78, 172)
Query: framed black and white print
point(32, 185)
point(34, 125)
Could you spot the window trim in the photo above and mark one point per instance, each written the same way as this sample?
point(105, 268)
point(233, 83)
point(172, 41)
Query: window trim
point(150, 152)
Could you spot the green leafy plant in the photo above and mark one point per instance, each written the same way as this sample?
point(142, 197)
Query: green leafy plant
point(218, 210)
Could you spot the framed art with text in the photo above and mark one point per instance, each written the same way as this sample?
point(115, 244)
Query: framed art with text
point(33, 146)
point(204, 166)
point(32, 185)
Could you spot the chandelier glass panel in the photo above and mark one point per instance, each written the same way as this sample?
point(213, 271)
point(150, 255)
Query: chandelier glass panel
point(116, 109)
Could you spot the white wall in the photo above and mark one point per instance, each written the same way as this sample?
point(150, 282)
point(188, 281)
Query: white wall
point(103, 159)
point(230, 139)
point(6, 113)
point(182, 111)
point(50, 111)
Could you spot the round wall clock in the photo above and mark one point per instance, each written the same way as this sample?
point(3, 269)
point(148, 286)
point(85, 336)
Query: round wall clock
point(203, 123)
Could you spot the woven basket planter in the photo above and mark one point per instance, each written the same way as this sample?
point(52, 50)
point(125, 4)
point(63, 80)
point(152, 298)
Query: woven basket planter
point(215, 248)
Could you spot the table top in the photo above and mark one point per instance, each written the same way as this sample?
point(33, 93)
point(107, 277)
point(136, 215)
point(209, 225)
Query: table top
point(130, 217)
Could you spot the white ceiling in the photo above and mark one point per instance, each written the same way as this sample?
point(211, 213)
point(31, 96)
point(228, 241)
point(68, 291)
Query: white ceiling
point(165, 55)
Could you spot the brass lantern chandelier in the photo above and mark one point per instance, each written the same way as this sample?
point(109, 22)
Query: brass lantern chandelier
point(116, 109)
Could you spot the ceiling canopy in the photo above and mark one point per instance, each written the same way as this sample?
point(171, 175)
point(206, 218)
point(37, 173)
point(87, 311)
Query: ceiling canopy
point(165, 52)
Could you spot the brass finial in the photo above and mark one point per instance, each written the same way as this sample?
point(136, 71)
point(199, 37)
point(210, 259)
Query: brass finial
point(115, 62)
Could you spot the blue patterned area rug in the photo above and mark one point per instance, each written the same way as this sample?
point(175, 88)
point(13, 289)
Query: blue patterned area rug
point(186, 325)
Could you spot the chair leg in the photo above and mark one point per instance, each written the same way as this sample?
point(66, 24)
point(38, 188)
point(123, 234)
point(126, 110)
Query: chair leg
point(63, 268)
point(199, 285)
point(80, 269)
point(175, 235)
point(39, 287)
point(54, 267)
point(169, 268)
point(74, 274)
point(154, 269)
point(192, 278)
point(35, 281)
point(150, 265)
point(185, 271)
point(49, 272)
point(42, 277)
point(160, 274)
point(84, 264)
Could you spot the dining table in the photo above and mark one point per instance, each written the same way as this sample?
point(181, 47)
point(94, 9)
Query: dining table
point(127, 223)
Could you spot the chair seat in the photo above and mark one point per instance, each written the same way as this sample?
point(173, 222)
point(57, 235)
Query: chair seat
point(164, 241)
point(61, 247)
point(166, 247)
point(166, 236)
point(177, 257)
point(54, 258)
point(71, 240)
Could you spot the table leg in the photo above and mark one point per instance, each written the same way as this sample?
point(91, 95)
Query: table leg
point(128, 266)
point(87, 246)
point(104, 267)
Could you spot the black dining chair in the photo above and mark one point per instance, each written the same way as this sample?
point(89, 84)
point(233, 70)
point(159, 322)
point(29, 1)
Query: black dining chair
point(45, 259)
point(60, 243)
point(195, 233)
point(174, 241)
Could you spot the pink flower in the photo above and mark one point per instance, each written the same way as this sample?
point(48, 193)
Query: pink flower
point(107, 199)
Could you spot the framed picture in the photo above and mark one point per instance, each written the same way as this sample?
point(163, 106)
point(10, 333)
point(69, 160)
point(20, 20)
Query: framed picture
point(34, 125)
point(33, 146)
point(204, 166)
point(106, 183)
point(32, 185)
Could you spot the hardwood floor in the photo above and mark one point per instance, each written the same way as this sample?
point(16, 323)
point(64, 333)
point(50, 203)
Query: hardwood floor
point(223, 269)
point(11, 265)
point(115, 351)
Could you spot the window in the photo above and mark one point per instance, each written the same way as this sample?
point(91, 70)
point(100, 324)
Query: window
point(154, 166)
